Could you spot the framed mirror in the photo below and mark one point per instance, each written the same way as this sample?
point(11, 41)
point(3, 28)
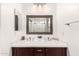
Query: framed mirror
point(39, 24)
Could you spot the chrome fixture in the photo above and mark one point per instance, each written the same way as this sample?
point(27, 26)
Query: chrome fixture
point(72, 22)
point(39, 4)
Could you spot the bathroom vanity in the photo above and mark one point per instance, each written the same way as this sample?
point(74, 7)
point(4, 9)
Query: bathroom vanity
point(39, 46)
point(52, 48)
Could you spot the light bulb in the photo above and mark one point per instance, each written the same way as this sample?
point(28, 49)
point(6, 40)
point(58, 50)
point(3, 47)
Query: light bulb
point(34, 6)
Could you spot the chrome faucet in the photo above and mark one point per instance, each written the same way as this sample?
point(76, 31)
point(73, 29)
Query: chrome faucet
point(49, 39)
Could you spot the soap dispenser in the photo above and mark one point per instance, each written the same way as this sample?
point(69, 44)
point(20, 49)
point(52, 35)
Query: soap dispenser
point(23, 38)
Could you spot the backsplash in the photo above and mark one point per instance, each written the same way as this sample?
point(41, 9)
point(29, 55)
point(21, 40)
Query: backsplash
point(20, 34)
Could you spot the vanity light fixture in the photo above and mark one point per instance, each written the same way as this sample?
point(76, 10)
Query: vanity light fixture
point(39, 5)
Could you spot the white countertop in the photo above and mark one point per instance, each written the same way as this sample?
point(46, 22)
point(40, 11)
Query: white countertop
point(52, 43)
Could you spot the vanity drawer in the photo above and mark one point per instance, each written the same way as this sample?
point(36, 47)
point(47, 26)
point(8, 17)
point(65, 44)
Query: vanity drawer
point(39, 51)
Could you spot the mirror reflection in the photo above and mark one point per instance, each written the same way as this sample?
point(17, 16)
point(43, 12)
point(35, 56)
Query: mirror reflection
point(39, 24)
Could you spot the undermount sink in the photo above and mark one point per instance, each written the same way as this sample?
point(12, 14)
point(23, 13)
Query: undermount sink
point(39, 40)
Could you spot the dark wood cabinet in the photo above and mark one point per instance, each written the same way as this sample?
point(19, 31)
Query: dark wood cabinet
point(21, 51)
point(38, 51)
point(56, 51)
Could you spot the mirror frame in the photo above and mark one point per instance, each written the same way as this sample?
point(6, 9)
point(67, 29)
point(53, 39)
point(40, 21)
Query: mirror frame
point(39, 16)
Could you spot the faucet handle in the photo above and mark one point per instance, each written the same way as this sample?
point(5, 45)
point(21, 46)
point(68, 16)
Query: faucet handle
point(29, 38)
point(55, 38)
point(48, 38)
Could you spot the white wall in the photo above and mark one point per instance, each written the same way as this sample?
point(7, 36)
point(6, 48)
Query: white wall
point(62, 13)
point(0, 22)
point(69, 13)
point(7, 23)
point(28, 10)
point(7, 26)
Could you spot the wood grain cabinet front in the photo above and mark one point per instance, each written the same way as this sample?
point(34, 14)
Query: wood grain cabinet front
point(56, 51)
point(21, 51)
point(38, 51)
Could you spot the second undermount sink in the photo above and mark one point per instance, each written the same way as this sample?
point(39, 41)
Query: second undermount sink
point(39, 40)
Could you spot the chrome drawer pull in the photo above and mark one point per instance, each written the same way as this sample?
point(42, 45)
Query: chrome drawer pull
point(46, 49)
point(39, 50)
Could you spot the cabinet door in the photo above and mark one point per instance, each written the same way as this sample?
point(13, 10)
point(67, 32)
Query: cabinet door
point(56, 52)
point(22, 52)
